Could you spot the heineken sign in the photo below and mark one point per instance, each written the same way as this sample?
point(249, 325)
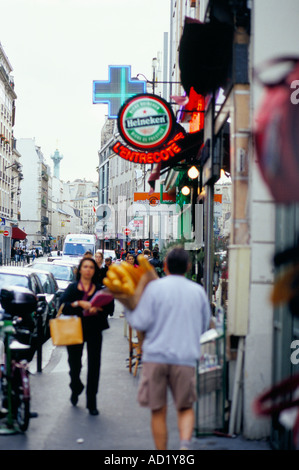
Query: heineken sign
point(145, 121)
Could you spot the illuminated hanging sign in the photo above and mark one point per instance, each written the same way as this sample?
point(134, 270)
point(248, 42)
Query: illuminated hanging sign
point(117, 89)
point(171, 149)
point(146, 122)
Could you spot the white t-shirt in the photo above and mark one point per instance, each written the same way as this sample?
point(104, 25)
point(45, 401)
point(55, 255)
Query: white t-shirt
point(173, 312)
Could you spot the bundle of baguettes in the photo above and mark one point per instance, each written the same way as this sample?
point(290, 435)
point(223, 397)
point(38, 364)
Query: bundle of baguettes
point(123, 278)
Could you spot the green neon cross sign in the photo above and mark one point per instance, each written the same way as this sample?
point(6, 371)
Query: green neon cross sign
point(117, 89)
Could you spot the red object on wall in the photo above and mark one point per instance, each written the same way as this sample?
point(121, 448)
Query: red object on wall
point(277, 139)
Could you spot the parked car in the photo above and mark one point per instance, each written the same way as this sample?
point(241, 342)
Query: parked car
point(109, 254)
point(50, 289)
point(54, 255)
point(33, 251)
point(16, 276)
point(64, 273)
point(66, 262)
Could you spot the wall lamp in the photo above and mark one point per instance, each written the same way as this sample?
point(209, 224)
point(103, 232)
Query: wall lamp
point(185, 190)
point(16, 164)
point(20, 176)
point(151, 82)
point(193, 172)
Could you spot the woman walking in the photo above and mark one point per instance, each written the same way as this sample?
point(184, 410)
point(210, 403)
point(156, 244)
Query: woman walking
point(99, 258)
point(76, 300)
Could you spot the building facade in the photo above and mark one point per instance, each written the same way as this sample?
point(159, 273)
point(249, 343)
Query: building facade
point(35, 193)
point(119, 179)
point(259, 336)
point(10, 167)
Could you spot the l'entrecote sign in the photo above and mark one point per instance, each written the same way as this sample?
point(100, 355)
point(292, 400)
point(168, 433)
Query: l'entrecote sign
point(170, 149)
point(146, 121)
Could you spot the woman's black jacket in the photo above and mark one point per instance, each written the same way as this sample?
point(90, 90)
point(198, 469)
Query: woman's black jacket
point(72, 293)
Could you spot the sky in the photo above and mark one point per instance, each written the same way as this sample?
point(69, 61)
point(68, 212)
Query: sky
point(57, 48)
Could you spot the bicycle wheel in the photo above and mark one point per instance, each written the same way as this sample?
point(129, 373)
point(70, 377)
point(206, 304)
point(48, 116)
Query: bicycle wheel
point(21, 402)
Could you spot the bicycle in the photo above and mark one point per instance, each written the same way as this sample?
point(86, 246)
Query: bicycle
point(14, 374)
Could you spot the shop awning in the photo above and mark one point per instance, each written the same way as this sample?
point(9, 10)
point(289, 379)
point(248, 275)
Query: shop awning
point(205, 55)
point(18, 234)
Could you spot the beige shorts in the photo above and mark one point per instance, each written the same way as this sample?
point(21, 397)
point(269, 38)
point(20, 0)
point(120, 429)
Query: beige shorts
point(155, 380)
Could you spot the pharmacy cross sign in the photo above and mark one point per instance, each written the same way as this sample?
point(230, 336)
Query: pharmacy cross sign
point(117, 89)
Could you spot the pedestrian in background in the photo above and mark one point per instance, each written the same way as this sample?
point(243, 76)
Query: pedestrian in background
point(99, 259)
point(76, 300)
point(130, 259)
point(146, 253)
point(17, 255)
point(157, 263)
point(173, 312)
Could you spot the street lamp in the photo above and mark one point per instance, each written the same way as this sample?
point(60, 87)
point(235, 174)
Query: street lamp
point(154, 81)
point(154, 65)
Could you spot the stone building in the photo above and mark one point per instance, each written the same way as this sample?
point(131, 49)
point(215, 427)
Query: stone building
point(36, 193)
point(10, 166)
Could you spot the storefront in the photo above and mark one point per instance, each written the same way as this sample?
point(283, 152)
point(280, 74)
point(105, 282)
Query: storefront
point(259, 337)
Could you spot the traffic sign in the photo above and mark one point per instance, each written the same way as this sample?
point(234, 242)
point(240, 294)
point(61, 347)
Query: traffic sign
point(146, 244)
point(127, 231)
point(6, 233)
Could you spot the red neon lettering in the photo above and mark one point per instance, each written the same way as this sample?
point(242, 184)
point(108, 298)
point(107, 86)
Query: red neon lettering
point(170, 151)
point(150, 158)
point(164, 154)
point(142, 158)
point(179, 136)
point(116, 147)
point(131, 156)
point(176, 148)
point(156, 157)
point(124, 152)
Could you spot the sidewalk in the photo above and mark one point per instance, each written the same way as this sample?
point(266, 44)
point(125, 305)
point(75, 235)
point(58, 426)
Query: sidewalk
point(122, 423)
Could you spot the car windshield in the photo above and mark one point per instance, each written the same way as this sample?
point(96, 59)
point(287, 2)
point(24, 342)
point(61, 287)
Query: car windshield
point(8, 279)
point(45, 282)
point(63, 273)
point(109, 253)
point(77, 248)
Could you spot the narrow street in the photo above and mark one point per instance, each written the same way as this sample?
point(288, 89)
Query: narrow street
point(122, 423)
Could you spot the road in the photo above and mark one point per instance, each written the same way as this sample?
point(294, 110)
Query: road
point(121, 425)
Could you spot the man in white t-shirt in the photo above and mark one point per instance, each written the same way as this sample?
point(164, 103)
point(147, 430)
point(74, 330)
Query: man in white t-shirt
point(173, 312)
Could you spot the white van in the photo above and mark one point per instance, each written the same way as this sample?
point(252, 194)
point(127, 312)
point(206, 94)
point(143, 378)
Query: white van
point(76, 244)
